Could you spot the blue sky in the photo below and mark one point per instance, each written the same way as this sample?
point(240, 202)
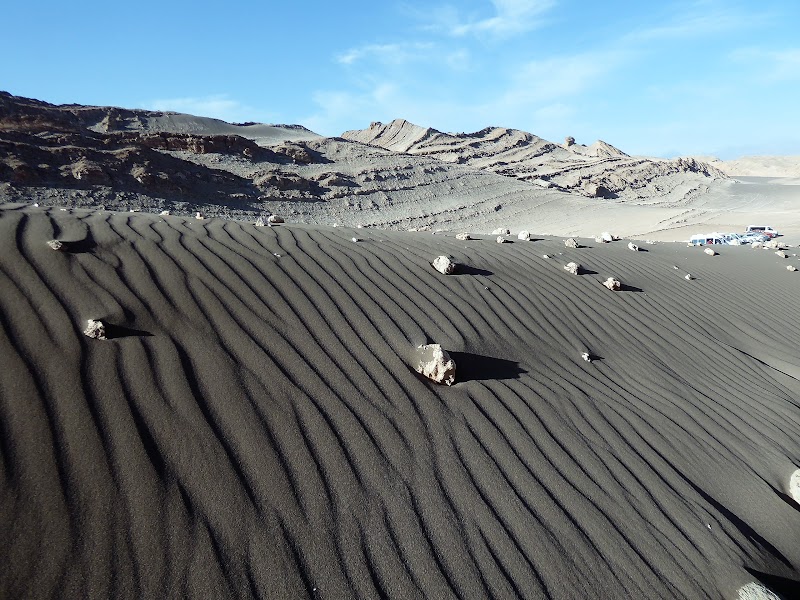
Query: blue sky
point(662, 78)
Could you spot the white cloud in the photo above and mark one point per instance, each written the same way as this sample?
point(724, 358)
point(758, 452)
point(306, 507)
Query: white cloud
point(510, 17)
point(385, 53)
point(217, 106)
point(702, 18)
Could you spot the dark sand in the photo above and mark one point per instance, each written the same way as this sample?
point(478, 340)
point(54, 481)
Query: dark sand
point(254, 428)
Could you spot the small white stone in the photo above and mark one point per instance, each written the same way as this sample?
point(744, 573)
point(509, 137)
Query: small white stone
point(501, 231)
point(571, 243)
point(95, 330)
point(355, 239)
point(794, 486)
point(782, 254)
point(56, 245)
point(756, 591)
point(791, 268)
point(274, 219)
point(523, 235)
point(463, 237)
point(444, 264)
point(613, 284)
point(607, 237)
point(501, 239)
point(689, 277)
point(586, 356)
point(632, 246)
point(199, 216)
point(710, 251)
point(546, 256)
point(573, 268)
point(260, 222)
point(164, 213)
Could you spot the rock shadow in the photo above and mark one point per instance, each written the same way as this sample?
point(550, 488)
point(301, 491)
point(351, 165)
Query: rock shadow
point(114, 332)
point(468, 270)
point(476, 367)
point(87, 244)
point(629, 288)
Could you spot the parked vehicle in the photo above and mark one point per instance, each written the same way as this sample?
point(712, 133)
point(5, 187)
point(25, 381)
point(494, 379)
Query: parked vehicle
point(765, 229)
point(706, 239)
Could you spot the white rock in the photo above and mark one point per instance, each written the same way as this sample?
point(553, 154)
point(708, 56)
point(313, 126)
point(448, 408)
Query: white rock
point(335, 224)
point(573, 268)
point(95, 329)
point(199, 216)
point(36, 204)
point(791, 268)
point(546, 256)
point(571, 243)
point(435, 363)
point(501, 231)
point(794, 486)
point(56, 245)
point(756, 591)
point(775, 244)
point(260, 222)
point(613, 284)
point(756, 245)
point(586, 356)
point(607, 237)
point(355, 239)
point(632, 246)
point(164, 213)
point(689, 277)
point(444, 264)
point(710, 251)
point(782, 254)
point(463, 237)
point(525, 236)
point(274, 219)
point(501, 239)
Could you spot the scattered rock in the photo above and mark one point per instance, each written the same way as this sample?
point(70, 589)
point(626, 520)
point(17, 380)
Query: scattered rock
point(710, 251)
point(355, 239)
point(756, 591)
point(199, 216)
point(613, 284)
point(260, 222)
point(607, 237)
point(571, 243)
point(782, 254)
point(773, 244)
point(434, 363)
point(546, 256)
point(756, 245)
point(463, 237)
point(525, 236)
point(95, 330)
point(587, 357)
point(791, 268)
point(689, 277)
point(573, 268)
point(501, 239)
point(501, 231)
point(444, 264)
point(632, 246)
point(274, 219)
point(56, 245)
point(164, 213)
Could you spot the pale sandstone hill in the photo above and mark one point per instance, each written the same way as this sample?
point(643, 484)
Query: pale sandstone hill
point(599, 170)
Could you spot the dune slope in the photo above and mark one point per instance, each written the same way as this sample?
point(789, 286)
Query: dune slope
point(253, 428)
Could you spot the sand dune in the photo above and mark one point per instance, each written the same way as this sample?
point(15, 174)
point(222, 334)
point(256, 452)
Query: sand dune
point(254, 427)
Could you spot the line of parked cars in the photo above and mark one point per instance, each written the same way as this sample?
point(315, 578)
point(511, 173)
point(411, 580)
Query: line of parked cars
point(754, 233)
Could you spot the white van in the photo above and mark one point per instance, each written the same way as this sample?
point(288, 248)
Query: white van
point(706, 239)
point(765, 229)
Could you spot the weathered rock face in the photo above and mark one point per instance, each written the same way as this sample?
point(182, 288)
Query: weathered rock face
point(435, 363)
point(297, 152)
point(445, 265)
point(595, 190)
point(95, 330)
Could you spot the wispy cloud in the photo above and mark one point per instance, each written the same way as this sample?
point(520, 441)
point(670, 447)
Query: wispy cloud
point(217, 106)
point(511, 17)
point(772, 66)
point(385, 53)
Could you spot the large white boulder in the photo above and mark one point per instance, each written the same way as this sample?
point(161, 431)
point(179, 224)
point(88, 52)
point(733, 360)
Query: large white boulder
point(524, 235)
point(573, 268)
point(435, 363)
point(444, 264)
point(95, 329)
point(571, 243)
point(613, 284)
